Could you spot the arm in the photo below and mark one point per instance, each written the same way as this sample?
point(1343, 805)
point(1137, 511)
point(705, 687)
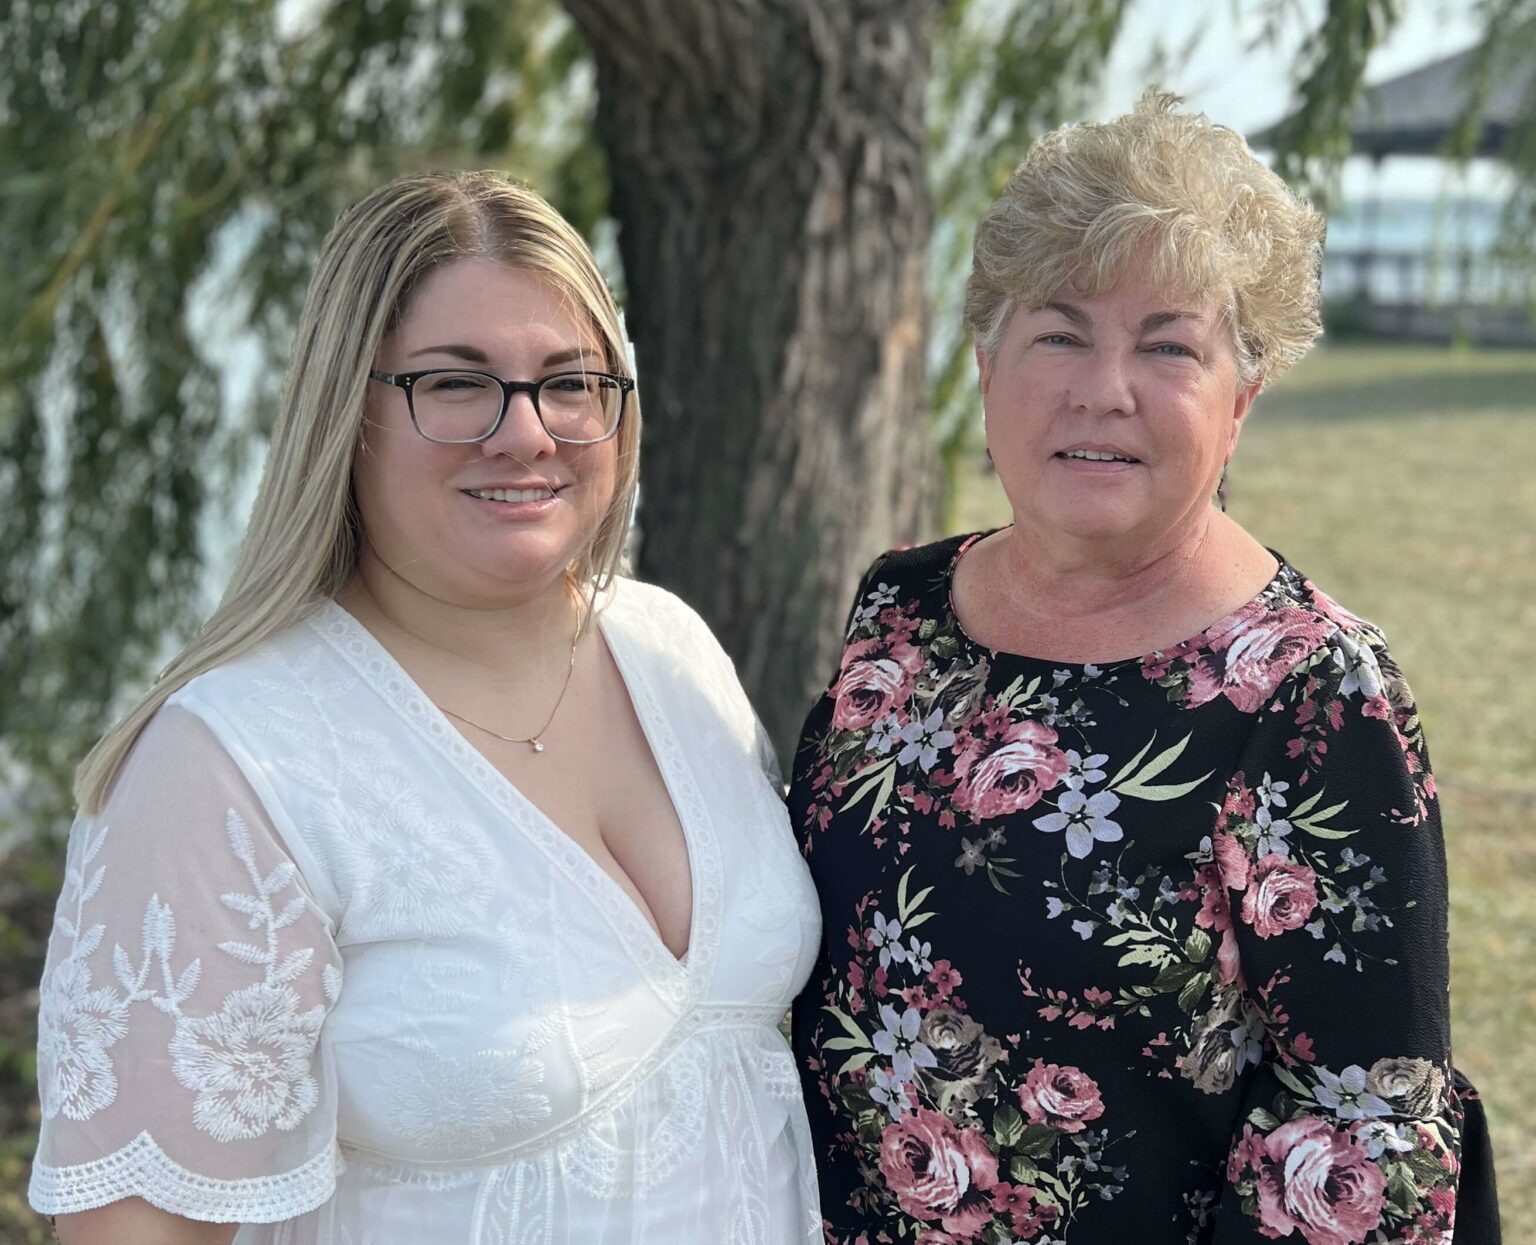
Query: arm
point(189, 974)
point(134, 1221)
point(1329, 849)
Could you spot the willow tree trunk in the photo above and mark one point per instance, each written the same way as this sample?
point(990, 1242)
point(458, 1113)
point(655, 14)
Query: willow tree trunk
point(768, 177)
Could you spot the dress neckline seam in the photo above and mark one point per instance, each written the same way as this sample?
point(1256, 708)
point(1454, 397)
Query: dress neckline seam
point(1202, 639)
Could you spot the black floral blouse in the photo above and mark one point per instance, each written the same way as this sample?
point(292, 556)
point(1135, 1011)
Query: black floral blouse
point(1148, 951)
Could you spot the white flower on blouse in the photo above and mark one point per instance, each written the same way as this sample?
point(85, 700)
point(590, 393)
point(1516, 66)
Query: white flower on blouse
point(415, 870)
point(897, 1040)
point(464, 1107)
point(76, 1026)
point(1085, 819)
point(249, 1062)
point(923, 740)
point(1082, 770)
point(1346, 1095)
point(1358, 662)
point(886, 936)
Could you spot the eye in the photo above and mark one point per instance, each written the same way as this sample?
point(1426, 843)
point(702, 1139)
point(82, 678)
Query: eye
point(1057, 339)
point(1173, 350)
point(453, 382)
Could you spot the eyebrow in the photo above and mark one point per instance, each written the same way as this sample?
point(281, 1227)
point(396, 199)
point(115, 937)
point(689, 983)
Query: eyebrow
point(1075, 314)
point(1159, 318)
point(1155, 320)
point(473, 354)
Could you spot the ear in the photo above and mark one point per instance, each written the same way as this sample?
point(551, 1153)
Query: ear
point(983, 369)
point(1240, 408)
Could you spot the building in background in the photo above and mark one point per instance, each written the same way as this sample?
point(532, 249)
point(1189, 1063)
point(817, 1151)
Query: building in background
point(1430, 270)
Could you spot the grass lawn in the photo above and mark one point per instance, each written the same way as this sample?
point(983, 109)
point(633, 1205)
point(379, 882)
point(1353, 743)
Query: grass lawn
point(1402, 480)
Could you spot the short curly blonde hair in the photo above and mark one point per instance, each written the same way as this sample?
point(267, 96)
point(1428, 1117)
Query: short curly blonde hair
point(1172, 193)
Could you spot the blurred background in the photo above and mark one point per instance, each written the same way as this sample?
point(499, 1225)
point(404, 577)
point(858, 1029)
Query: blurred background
point(784, 195)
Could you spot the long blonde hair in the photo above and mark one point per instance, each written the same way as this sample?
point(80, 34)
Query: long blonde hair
point(304, 534)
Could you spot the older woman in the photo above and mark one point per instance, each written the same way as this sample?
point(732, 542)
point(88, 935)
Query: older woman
point(1127, 843)
point(440, 890)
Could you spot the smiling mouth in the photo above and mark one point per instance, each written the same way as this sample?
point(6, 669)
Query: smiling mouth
point(1096, 456)
point(509, 494)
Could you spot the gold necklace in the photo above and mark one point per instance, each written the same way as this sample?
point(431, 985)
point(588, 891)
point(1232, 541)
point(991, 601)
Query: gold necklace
point(533, 740)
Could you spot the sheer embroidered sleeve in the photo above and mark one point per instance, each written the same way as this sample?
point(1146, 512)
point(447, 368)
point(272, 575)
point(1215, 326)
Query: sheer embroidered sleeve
point(189, 975)
point(1328, 852)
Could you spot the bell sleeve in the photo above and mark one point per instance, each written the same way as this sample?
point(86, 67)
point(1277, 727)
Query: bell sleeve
point(1328, 850)
point(181, 1031)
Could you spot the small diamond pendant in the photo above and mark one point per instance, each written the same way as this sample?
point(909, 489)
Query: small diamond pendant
point(537, 746)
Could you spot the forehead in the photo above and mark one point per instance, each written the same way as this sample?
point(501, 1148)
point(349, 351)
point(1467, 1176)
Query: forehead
point(1136, 297)
point(491, 305)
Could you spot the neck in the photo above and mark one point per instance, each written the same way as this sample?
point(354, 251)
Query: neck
point(496, 642)
point(1094, 583)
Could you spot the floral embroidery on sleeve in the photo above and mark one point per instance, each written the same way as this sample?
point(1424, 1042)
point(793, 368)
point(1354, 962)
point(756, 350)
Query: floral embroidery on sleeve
point(248, 1063)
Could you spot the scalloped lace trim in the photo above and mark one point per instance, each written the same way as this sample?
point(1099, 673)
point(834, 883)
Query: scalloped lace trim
point(142, 1169)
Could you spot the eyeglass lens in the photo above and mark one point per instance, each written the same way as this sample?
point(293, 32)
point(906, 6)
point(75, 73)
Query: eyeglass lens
point(464, 406)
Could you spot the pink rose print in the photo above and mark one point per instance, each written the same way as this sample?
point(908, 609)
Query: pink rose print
point(867, 691)
point(1231, 861)
point(1256, 657)
point(1215, 913)
point(1281, 896)
point(1001, 775)
point(1229, 961)
point(1025, 1213)
point(940, 1172)
point(1314, 1179)
point(1333, 611)
point(1063, 1098)
point(1248, 1152)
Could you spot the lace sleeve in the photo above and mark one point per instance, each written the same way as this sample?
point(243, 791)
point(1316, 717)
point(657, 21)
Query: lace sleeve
point(181, 1055)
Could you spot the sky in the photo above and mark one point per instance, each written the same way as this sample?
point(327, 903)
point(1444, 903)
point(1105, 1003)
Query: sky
point(1249, 88)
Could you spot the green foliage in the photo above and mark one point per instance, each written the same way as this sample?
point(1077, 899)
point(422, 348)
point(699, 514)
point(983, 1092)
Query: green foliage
point(146, 143)
point(1312, 141)
point(1508, 47)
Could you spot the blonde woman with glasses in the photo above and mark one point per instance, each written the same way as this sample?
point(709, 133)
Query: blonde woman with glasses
point(441, 889)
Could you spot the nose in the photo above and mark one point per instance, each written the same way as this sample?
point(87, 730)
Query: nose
point(521, 434)
point(1102, 385)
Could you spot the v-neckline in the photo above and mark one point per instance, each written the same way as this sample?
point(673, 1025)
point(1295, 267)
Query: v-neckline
point(595, 881)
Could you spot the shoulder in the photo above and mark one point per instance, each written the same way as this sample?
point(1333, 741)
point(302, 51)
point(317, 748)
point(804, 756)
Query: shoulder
point(660, 623)
point(651, 609)
point(1291, 642)
point(282, 663)
point(1353, 647)
point(916, 566)
point(676, 647)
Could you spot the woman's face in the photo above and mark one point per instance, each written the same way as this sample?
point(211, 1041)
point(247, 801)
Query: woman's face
point(1110, 417)
point(424, 507)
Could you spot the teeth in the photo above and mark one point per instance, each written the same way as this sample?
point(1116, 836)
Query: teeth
point(1098, 456)
point(510, 494)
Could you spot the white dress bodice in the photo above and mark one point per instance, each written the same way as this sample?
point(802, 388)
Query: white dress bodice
point(319, 968)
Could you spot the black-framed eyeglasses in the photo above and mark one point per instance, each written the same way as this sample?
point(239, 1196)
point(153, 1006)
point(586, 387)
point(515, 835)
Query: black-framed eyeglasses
point(456, 407)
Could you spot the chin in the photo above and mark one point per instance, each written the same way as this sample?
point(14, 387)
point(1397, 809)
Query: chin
point(1093, 525)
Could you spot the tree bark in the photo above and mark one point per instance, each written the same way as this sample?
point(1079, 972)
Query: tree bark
point(769, 180)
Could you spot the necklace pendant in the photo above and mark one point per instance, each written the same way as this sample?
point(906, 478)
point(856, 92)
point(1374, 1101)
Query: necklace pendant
point(536, 745)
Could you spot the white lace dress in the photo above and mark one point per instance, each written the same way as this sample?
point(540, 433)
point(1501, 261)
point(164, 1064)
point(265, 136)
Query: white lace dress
point(319, 969)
